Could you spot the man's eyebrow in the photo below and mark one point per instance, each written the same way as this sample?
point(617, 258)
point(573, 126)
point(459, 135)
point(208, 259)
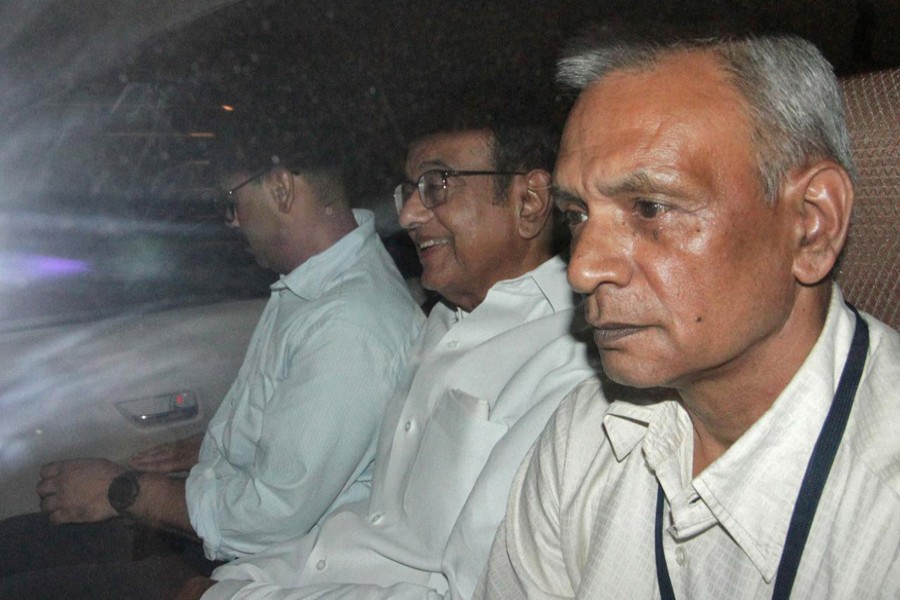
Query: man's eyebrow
point(435, 163)
point(637, 182)
point(561, 197)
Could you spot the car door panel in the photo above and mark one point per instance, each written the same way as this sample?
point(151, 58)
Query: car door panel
point(79, 390)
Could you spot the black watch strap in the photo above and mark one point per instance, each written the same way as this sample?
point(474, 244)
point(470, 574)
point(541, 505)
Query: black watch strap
point(123, 491)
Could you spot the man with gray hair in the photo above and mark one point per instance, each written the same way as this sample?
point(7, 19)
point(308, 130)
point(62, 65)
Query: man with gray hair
point(708, 188)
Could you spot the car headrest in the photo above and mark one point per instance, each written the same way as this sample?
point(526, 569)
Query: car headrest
point(869, 273)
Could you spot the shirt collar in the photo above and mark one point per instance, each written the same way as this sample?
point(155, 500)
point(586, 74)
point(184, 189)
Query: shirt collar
point(544, 280)
point(547, 281)
point(543, 289)
point(314, 276)
point(752, 488)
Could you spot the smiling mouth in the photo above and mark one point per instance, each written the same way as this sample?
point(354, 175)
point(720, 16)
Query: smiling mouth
point(422, 246)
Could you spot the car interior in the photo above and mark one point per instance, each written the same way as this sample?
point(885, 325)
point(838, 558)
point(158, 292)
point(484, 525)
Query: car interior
point(166, 297)
point(869, 272)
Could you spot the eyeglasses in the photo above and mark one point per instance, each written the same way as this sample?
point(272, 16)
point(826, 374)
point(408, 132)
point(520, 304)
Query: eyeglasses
point(227, 199)
point(432, 186)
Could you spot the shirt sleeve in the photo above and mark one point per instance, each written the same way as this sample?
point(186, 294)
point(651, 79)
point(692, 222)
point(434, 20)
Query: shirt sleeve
point(317, 433)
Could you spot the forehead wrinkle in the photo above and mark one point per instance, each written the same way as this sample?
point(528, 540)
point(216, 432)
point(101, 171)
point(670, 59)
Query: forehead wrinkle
point(598, 169)
point(695, 98)
point(434, 151)
point(659, 158)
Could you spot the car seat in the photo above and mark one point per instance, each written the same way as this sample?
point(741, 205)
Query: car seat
point(869, 272)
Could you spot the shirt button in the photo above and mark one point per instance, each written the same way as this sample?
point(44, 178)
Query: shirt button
point(452, 344)
point(679, 556)
point(321, 564)
point(376, 518)
point(407, 426)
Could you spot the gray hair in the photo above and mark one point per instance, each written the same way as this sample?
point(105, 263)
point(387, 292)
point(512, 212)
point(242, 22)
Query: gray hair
point(793, 98)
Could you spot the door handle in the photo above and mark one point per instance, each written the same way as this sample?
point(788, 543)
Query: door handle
point(155, 410)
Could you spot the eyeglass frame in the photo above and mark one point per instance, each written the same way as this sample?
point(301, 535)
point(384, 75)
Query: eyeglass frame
point(400, 197)
point(228, 198)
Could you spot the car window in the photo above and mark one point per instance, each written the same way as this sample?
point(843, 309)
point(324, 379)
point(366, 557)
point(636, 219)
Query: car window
point(109, 113)
point(107, 210)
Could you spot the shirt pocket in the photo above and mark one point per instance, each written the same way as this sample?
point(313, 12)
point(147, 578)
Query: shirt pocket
point(244, 424)
point(456, 443)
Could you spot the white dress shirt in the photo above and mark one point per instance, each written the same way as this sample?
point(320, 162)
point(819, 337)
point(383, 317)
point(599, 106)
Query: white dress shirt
point(485, 385)
point(582, 511)
point(296, 434)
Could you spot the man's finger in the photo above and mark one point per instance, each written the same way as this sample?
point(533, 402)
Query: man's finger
point(152, 455)
point(150, 458)
point(46, 487)
point(58, 517)
point(145, 454)
point(50, 470)
point(49, 503)
point(151, 465)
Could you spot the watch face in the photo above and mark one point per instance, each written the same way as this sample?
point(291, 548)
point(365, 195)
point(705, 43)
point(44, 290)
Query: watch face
point(123, 491)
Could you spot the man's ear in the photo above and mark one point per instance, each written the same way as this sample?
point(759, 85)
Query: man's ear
point(823, 194)
point(533, 203)
point(280, 184)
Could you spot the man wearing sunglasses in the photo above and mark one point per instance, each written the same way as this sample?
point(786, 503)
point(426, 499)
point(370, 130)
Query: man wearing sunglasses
point(295, 436)
point(498, 355)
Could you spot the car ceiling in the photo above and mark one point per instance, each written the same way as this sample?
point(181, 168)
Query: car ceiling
point(368, 72)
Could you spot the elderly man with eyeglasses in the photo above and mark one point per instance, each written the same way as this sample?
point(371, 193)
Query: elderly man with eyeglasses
point(293, 439)
point(498, 354)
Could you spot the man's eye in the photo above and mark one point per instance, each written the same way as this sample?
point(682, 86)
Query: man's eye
point(648, 209)
point(432, 180)
point(574, 217)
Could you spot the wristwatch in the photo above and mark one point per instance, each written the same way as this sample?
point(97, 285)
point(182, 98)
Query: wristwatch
point(123, 491)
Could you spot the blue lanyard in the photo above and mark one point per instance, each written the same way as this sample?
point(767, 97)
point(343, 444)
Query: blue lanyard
point(813, 481)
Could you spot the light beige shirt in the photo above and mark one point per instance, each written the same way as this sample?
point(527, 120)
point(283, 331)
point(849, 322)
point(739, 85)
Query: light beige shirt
point(581, 515)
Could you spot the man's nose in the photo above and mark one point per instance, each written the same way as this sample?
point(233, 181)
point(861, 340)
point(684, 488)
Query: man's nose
point(413, 213)
point(599, 256)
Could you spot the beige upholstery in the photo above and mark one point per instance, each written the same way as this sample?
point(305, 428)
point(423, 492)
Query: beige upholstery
point(870, 271)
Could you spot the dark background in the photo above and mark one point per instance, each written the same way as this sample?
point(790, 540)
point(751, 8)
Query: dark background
point(109, 111)
point(364, 74)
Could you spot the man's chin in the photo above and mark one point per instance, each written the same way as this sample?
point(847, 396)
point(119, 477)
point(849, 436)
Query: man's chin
point(256, 257)
point(430, 282)
point(629, 372)
point(259, 260)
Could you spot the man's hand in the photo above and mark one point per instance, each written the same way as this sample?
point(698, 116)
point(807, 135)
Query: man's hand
point(74, 491)
point(169, 458)
point(194, 588)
